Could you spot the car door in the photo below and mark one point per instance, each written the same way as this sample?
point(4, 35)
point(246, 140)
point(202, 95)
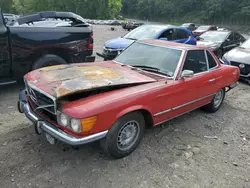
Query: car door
point(181, 36)
point(5, 63)
point(215, 70)
point(198, 90)
point(229, 43)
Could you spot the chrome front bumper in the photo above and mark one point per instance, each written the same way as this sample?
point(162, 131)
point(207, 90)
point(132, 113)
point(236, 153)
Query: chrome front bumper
point(55, 132)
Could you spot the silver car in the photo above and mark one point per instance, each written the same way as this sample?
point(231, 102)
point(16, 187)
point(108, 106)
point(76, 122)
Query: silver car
point(240, 57)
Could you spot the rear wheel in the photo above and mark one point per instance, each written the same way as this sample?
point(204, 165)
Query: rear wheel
point(48, 60)
point(124, 136)
point(216, 102)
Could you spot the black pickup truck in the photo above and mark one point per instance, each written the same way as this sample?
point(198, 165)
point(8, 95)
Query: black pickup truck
point(29, 45)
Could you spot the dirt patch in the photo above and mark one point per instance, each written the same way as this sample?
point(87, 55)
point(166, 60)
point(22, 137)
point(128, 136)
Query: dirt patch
point(193, 151)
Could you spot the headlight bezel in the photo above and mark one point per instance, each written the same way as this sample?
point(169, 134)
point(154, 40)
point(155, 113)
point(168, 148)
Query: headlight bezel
point(77, 125)
point(59, 120)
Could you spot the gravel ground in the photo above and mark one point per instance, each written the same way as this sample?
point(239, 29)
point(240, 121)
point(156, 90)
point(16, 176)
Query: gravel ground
point(197, 150)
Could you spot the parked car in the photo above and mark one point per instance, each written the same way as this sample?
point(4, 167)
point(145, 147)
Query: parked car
point(189, 26)
point(220, 41)
point(27, 48)
point(149, 83)
point(131, 25)
point(171, 33)
point(10, 19)
point(240, 57)
point(203, 29)
point(114, 22)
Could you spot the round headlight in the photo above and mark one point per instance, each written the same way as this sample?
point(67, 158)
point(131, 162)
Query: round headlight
point(63, 120)
point(75, 125)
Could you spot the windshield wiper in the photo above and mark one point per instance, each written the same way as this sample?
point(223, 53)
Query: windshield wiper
point(154, 69)
point(131, 38)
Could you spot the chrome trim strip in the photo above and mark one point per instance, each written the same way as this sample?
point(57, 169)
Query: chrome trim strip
point(178, 115)
point(111, 49)
point(242, 75)
point(179, 65)
point(7, 83)
point(162, 112)
point(205, 53)
point(183, 105)
point(28, 113)
point(58, 133)
point(69, 139)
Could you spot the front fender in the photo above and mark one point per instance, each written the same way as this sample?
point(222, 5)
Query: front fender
point(132, 109)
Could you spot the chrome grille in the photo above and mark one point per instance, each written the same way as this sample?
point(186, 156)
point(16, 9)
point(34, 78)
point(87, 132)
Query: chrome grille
point(244, 68)
point(110, 51)
point(41, 101)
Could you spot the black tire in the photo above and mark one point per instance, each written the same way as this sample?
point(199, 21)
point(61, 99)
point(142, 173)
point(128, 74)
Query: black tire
point(48, 60)
point(112, 144)
point(215, 105)
point(219, 53)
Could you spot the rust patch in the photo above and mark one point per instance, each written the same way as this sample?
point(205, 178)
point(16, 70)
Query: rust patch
point(72, 79)
point(63, 73)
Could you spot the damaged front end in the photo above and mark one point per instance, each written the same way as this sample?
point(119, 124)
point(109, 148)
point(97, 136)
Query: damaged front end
point(45, 123)
point(50, 88)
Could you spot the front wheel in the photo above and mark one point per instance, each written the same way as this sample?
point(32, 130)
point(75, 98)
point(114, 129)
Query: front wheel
point(216, 102)
point(124, 136)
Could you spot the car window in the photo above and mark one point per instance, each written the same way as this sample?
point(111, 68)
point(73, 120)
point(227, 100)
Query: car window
point(181, 34)
point(169, 34)
point(195, 61)
point(231, 37)
point(211, 62)
point(213, 28)
point(237, 36)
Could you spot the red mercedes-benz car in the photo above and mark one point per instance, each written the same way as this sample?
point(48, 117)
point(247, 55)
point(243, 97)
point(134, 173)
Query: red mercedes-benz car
point(149, 83)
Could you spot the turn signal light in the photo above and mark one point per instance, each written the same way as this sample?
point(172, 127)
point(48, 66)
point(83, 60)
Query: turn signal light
point(88, 123)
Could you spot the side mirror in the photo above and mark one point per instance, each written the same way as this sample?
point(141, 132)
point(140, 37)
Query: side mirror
point(198, 38)
point(187, 74)
point(162, 38)
point(228, 40)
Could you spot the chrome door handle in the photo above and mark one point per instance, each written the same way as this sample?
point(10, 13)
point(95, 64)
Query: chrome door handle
point(212, 80)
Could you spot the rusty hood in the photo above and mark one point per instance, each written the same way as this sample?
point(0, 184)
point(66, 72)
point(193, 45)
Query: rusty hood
point(63, 80)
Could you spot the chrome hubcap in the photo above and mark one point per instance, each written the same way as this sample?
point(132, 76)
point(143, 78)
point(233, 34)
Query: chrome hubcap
point(128, 135)
point(218, 98)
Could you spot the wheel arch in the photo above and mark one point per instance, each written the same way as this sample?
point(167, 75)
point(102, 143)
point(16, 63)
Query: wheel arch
point(60, 52)
point(143, 110)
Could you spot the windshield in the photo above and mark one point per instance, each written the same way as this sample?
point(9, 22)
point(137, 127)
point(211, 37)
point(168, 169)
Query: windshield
point(214, 36)
point(246, 44)
point(203, 28)
point(144, 32)
point(140, 54)
point(185, 25)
